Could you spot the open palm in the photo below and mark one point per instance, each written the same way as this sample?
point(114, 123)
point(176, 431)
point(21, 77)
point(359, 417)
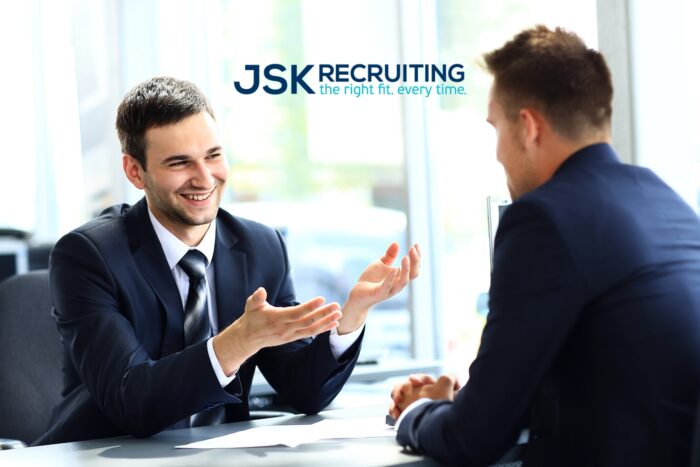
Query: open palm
point(378, 282)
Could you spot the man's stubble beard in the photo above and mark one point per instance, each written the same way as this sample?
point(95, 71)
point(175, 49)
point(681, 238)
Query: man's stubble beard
point(176, 213)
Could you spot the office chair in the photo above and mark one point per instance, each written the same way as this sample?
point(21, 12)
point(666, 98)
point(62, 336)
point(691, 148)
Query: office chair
point(30, 358)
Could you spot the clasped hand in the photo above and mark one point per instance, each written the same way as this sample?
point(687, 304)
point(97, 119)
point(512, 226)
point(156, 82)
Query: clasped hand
point(421, 386)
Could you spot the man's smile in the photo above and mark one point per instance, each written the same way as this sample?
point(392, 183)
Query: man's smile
point(197, 196)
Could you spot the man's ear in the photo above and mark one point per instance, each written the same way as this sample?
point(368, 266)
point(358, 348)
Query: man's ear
point(133, 171)
point(531, 122)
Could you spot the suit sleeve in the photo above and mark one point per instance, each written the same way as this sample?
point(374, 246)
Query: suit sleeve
point(305, 373)
point(536, 296)
point(139, 394)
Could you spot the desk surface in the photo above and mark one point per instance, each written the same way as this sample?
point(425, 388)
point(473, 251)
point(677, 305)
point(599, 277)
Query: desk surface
point(160, 450)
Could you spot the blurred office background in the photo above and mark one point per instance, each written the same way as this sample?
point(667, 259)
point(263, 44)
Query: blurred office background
point(340, 176)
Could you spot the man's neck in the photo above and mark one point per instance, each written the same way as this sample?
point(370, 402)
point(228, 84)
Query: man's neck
point(190, 235)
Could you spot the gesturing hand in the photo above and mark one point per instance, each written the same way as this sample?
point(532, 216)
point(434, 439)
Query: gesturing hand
point(378, 282)
point(263, 325)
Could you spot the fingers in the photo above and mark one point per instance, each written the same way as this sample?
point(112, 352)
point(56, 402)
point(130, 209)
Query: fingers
point(445, 382)
point(444, 388)
point(402, 277)
point(404, 393)
point(406, 387)
point(409, 270)
point(421, 379)
point(269, 325)
point(386, 286)
point(320, 320)
point(294, 313)
point(396, 394)
point(394, 411)
point(414, 255)
point(257, 299)
point(391, 253)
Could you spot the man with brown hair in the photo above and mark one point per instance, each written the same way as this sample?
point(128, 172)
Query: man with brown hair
point(593, 335)
point(166, 307)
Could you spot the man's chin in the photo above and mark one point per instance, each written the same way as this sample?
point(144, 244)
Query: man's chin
point(198, 219)
point(201, 220)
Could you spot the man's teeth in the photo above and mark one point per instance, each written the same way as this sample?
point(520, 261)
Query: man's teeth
point(198, 197)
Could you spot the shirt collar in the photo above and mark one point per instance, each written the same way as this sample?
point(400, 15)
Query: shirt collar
point(175, 249)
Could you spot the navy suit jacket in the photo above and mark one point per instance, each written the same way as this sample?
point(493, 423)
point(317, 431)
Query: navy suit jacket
point(120, 317)
point(593, 334)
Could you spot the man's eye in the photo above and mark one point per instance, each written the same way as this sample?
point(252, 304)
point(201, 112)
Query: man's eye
point(215, 155)
point(178, 163)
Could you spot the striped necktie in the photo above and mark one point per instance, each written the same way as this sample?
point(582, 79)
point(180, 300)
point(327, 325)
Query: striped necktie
point(197, 324)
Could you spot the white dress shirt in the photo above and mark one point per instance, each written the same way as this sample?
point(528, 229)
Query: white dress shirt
point(174, 249)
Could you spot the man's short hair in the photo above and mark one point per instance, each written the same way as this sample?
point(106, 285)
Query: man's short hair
point(555, 73)
point(153, 103)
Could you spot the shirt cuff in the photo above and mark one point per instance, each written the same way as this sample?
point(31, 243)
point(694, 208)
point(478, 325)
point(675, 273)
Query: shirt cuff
point(413, 405)
point(220, 375)
point(339, 344)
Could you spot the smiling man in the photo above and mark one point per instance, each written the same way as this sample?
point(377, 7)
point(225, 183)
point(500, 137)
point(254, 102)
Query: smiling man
point(166, 307)
point(593, 333)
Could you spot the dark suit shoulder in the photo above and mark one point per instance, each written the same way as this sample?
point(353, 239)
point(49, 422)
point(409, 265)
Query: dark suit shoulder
point(104, 236)
point(614, 218)
point(108, 223)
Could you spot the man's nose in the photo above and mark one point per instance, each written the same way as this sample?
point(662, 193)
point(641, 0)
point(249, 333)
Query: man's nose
point(201, 175)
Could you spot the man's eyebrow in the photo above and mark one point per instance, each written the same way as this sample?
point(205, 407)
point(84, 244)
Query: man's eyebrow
point(175, 158)
point(185, 157)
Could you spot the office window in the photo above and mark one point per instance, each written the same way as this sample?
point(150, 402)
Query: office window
point(16, 27)
point(42, 188)
point(665, 71)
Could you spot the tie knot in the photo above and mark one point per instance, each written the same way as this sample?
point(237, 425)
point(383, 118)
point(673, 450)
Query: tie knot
point(194, 264)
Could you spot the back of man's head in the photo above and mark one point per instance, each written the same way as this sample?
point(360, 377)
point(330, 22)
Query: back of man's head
point(557, 74)
point(153, 103)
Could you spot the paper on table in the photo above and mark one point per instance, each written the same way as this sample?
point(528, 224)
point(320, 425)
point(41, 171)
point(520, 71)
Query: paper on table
point(286, 435)
point(369, 427)
point(294, 435)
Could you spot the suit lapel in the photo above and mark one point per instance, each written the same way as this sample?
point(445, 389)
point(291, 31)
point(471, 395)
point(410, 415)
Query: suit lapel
point(230, 276)
point(150, 260)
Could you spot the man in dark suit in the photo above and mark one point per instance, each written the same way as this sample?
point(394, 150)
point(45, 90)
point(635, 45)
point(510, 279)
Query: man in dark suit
point(593, 334)
point(166, 307)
